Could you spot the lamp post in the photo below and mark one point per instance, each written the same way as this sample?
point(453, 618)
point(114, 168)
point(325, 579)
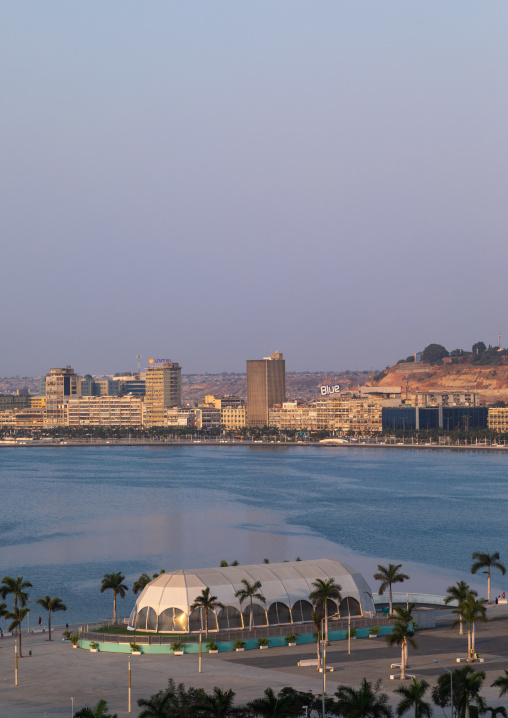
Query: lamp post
point(130, 686)
point(72, 706)
point(451, 682)
point(324, 675)
point(348, 633)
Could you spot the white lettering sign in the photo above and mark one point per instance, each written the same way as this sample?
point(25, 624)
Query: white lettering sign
point(329, 389)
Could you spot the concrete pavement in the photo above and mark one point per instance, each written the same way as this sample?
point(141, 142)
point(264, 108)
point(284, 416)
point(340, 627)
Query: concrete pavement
point(56, 671)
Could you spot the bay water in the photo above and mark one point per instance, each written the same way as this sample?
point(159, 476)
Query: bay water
point(71, 514)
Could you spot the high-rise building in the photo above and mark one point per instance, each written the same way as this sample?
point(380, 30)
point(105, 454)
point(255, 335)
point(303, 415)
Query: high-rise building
point(266, 386)
point(61, 383)
point(163, 390)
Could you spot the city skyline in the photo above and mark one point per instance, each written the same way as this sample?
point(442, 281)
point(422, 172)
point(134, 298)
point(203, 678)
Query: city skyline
point(219, 181)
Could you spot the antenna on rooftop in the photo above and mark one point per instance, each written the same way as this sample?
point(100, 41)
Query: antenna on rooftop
point(139, 365)
point(499, 339)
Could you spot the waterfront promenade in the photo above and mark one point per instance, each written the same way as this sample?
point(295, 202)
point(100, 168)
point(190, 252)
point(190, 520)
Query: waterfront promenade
point(56, 672)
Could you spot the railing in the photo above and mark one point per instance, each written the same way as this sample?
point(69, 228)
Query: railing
point(418, 598)
point(158, 639)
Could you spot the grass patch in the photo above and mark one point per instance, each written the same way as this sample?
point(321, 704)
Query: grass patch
point(122, 631)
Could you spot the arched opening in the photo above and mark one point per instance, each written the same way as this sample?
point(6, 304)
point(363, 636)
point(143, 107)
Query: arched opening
point(172, 619)
point(278, 613)
point(302, 612)
point(351, 606)
point(229, 617)
point(258, 615)
point(198, 620)
point(132, 617)
point(146, 620)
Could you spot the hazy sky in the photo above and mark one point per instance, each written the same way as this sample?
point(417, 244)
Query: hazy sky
point(212, 181)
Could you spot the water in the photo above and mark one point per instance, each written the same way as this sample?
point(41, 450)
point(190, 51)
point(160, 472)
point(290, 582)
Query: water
point(70, 515)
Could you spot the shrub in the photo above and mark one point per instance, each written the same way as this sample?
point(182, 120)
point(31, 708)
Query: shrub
point(240, 644)
point(263, 642)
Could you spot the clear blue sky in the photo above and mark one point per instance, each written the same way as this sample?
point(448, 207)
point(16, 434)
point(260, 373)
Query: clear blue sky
point(212, 181)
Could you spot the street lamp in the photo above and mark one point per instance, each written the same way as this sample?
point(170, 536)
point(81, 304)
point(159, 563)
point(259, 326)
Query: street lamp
point(451, 681)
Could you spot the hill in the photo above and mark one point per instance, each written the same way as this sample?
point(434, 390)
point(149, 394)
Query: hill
point(491, 381)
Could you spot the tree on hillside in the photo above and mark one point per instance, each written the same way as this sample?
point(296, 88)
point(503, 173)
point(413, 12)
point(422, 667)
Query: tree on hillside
point(434, 353)
point(479, 348)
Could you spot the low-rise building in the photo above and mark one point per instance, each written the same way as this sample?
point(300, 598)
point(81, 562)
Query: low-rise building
point(207, 417)
point(498, 419)
point(292, 415)
point(179, 416)
point(234, 417)
point(345, 413)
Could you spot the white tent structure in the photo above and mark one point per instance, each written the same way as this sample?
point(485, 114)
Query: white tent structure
point(164, 605)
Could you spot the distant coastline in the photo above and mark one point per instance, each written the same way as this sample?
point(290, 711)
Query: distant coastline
point(278, 444)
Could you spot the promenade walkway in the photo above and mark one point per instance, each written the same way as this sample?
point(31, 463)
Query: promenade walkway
point(55, 672)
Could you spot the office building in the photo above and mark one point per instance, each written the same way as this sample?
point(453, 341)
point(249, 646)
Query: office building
point(61, 384)
point(163, 390)
point(266, 386)
point(109, 411)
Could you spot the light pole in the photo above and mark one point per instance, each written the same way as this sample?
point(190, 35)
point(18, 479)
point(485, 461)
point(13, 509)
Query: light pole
point(130, 685)
point(72, 706)
point(348, 633)
point(324, 675)
point(451, 682)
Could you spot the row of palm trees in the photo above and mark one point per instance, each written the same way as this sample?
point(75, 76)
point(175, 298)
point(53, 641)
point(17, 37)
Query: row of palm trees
point(18, 588)
point(366, 701)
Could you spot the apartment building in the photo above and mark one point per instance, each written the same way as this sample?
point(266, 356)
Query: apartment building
point(349, 413)
point(291, 415)
point(110, 411)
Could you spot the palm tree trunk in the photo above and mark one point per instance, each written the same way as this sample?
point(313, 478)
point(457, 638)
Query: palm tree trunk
point(391, 607)
point(49, 625)
point(206, 623)
point(405, 654)
point(318, 643)
point(403, 662)
point(20, 653)
point(114, 606)
point(250, 617)
point(488, 586)
point(461, 629)
point(469, 644)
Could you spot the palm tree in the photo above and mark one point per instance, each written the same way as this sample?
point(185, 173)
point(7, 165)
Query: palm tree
point(113, 581)
point(502, 683)
point(466, 690)
point(16, 586)
point(497, 711)
point(413, 699)
point(317, 620)
point(51, 605)
point(16, 617)
point(272, 706)
point(458, 593)
point(249, 592)
point(488, 561)
point(324, 590)
point(207, 602)
point(388, 575)
point(100, 711)
point(401, 635)
point(157, 706)
point(141, 582)
point(470, 611)
point(364, 702)
point(219, 705)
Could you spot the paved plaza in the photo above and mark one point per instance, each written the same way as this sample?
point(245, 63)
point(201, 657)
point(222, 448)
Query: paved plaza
point(55, 672)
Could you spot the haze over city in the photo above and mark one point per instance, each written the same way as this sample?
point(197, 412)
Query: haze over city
point(211, 182)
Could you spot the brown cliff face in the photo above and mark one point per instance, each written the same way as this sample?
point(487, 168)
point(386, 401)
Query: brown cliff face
point(490, 381)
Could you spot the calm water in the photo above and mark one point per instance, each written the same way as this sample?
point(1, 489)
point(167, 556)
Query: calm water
point(69, 515)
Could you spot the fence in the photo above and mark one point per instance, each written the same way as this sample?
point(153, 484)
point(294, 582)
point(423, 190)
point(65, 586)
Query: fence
point(90, 632)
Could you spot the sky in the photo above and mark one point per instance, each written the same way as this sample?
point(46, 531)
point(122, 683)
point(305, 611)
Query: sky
point(214, 181)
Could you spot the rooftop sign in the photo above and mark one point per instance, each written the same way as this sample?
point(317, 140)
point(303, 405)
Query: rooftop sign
point(327, 389)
